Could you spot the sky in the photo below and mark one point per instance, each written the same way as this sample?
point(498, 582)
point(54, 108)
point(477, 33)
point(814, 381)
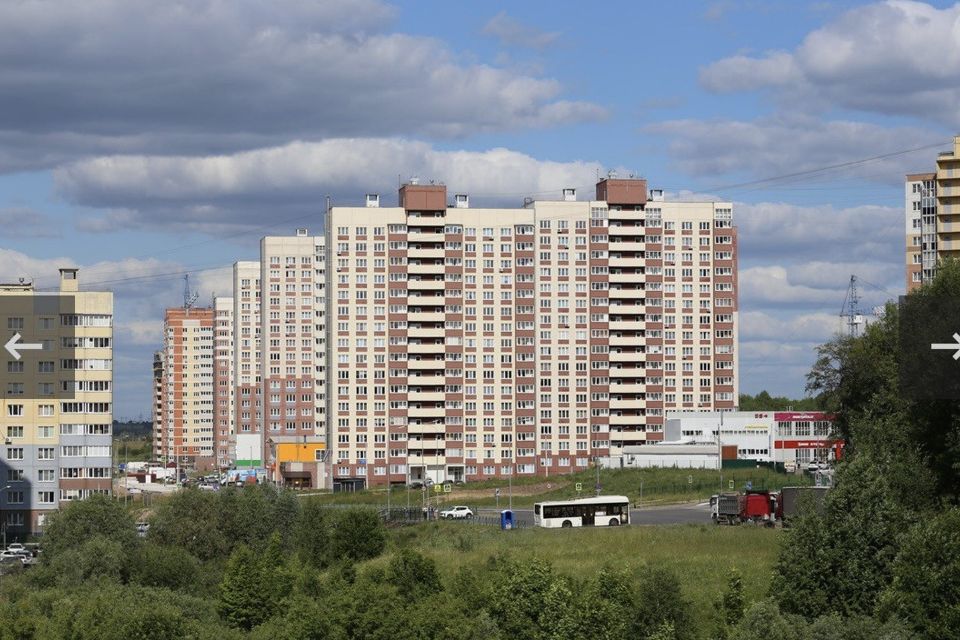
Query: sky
point(141, 140)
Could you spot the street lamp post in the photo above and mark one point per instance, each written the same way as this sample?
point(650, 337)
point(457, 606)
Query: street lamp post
point(3, 522)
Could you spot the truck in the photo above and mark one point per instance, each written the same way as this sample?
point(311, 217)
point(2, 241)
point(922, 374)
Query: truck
point(759, 507)
point(793, 501)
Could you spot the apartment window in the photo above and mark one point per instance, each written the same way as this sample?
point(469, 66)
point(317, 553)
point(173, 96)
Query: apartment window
point(14, 323)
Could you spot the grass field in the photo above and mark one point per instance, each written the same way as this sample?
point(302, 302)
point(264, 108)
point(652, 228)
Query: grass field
point(701, 556)
point(659, 486)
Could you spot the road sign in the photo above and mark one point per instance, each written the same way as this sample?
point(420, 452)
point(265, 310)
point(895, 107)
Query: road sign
point(749, 485)
point(731, 485)
point(438, 488)
point(579, 486)
point(496, 492)
point(689, 479)
point(447, 488)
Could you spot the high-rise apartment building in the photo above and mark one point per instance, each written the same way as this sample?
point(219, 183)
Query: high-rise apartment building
point(247, 398)
point(223, 384)
point(187, 427)
point(932, 217)
point(470, 343)
point(56, 408)
point(293, 369)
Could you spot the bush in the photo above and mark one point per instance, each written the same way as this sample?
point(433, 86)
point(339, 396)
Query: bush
point(356, 534)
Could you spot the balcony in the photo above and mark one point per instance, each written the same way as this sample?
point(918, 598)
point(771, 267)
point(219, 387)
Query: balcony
point(614, 230)
point(426, 396)
point(626, 341)
point(423, 236)
point(630, 437)
point(617, 245)
point(627, 325)
point(432, 285)
point(426, 412)
point(426, 381)
point(432, 428)
point(626, 421)
point(425, 332)
point(628, 356)
point(425, 316)
point(425, 347)
point(632, 403)
point(627, 293)
point(632, 278)
point(426, 364)
point(425, 301)
point(626, 215)
point(433, 267)
point(426, 221)
point(628, 372)
point(627, 309)
point(627, 388)
point(626, 262)
point(415, 253)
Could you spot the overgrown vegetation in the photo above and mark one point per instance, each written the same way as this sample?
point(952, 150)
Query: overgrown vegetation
point(887, 548)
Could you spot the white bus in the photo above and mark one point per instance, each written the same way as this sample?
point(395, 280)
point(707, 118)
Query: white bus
point(602, 511)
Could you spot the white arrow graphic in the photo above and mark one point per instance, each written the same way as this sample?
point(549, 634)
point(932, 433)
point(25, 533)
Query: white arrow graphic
point(949, 346)
point(15, 348)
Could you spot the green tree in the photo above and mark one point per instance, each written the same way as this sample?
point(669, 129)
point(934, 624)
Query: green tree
point(74, 525)
point(241, 598)
point(732, 602)
point(189, 519)
point(356, 534)
point(168, 567)
point(659, 601)
point(413, 574)
point(275, 580)
point(925, 590)
point(311, 535)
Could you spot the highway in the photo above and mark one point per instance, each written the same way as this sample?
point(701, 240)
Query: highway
point(659, 515)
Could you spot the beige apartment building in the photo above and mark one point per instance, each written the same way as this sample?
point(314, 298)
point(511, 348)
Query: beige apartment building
point(223, 393)
point(248, 402)
point(932, 217)
point(56, 408)
point(186, 430)
point(470, 343)
point(293, 368)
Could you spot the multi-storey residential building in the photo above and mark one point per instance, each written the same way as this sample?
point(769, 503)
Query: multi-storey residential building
point(223, 384)
point(293, 357)
point(187, 429)
point(247, 398)
point(159, 441)
point(473, 343)
point(56, 408)
point(932, 217)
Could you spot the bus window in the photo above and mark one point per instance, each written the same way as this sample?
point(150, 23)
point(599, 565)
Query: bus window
point(536, 509)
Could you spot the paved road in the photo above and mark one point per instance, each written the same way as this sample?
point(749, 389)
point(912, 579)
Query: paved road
point(671, 514)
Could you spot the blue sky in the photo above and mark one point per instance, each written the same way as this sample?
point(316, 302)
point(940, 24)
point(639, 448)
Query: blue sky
point(141, 139)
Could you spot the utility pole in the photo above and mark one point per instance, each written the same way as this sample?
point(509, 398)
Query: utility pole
point(596, 464)
point(720, 452)
point(510, 489)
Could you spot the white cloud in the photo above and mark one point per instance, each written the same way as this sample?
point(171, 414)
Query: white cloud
point(778, 230)
point(895, 57)
point(121, 76)
point(804, 327)
point(788, 143)
point(511, 32)
point(241, 189)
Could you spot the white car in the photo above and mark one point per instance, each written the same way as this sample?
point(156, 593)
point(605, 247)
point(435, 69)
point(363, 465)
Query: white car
point(454, 513)
point(10, 556)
